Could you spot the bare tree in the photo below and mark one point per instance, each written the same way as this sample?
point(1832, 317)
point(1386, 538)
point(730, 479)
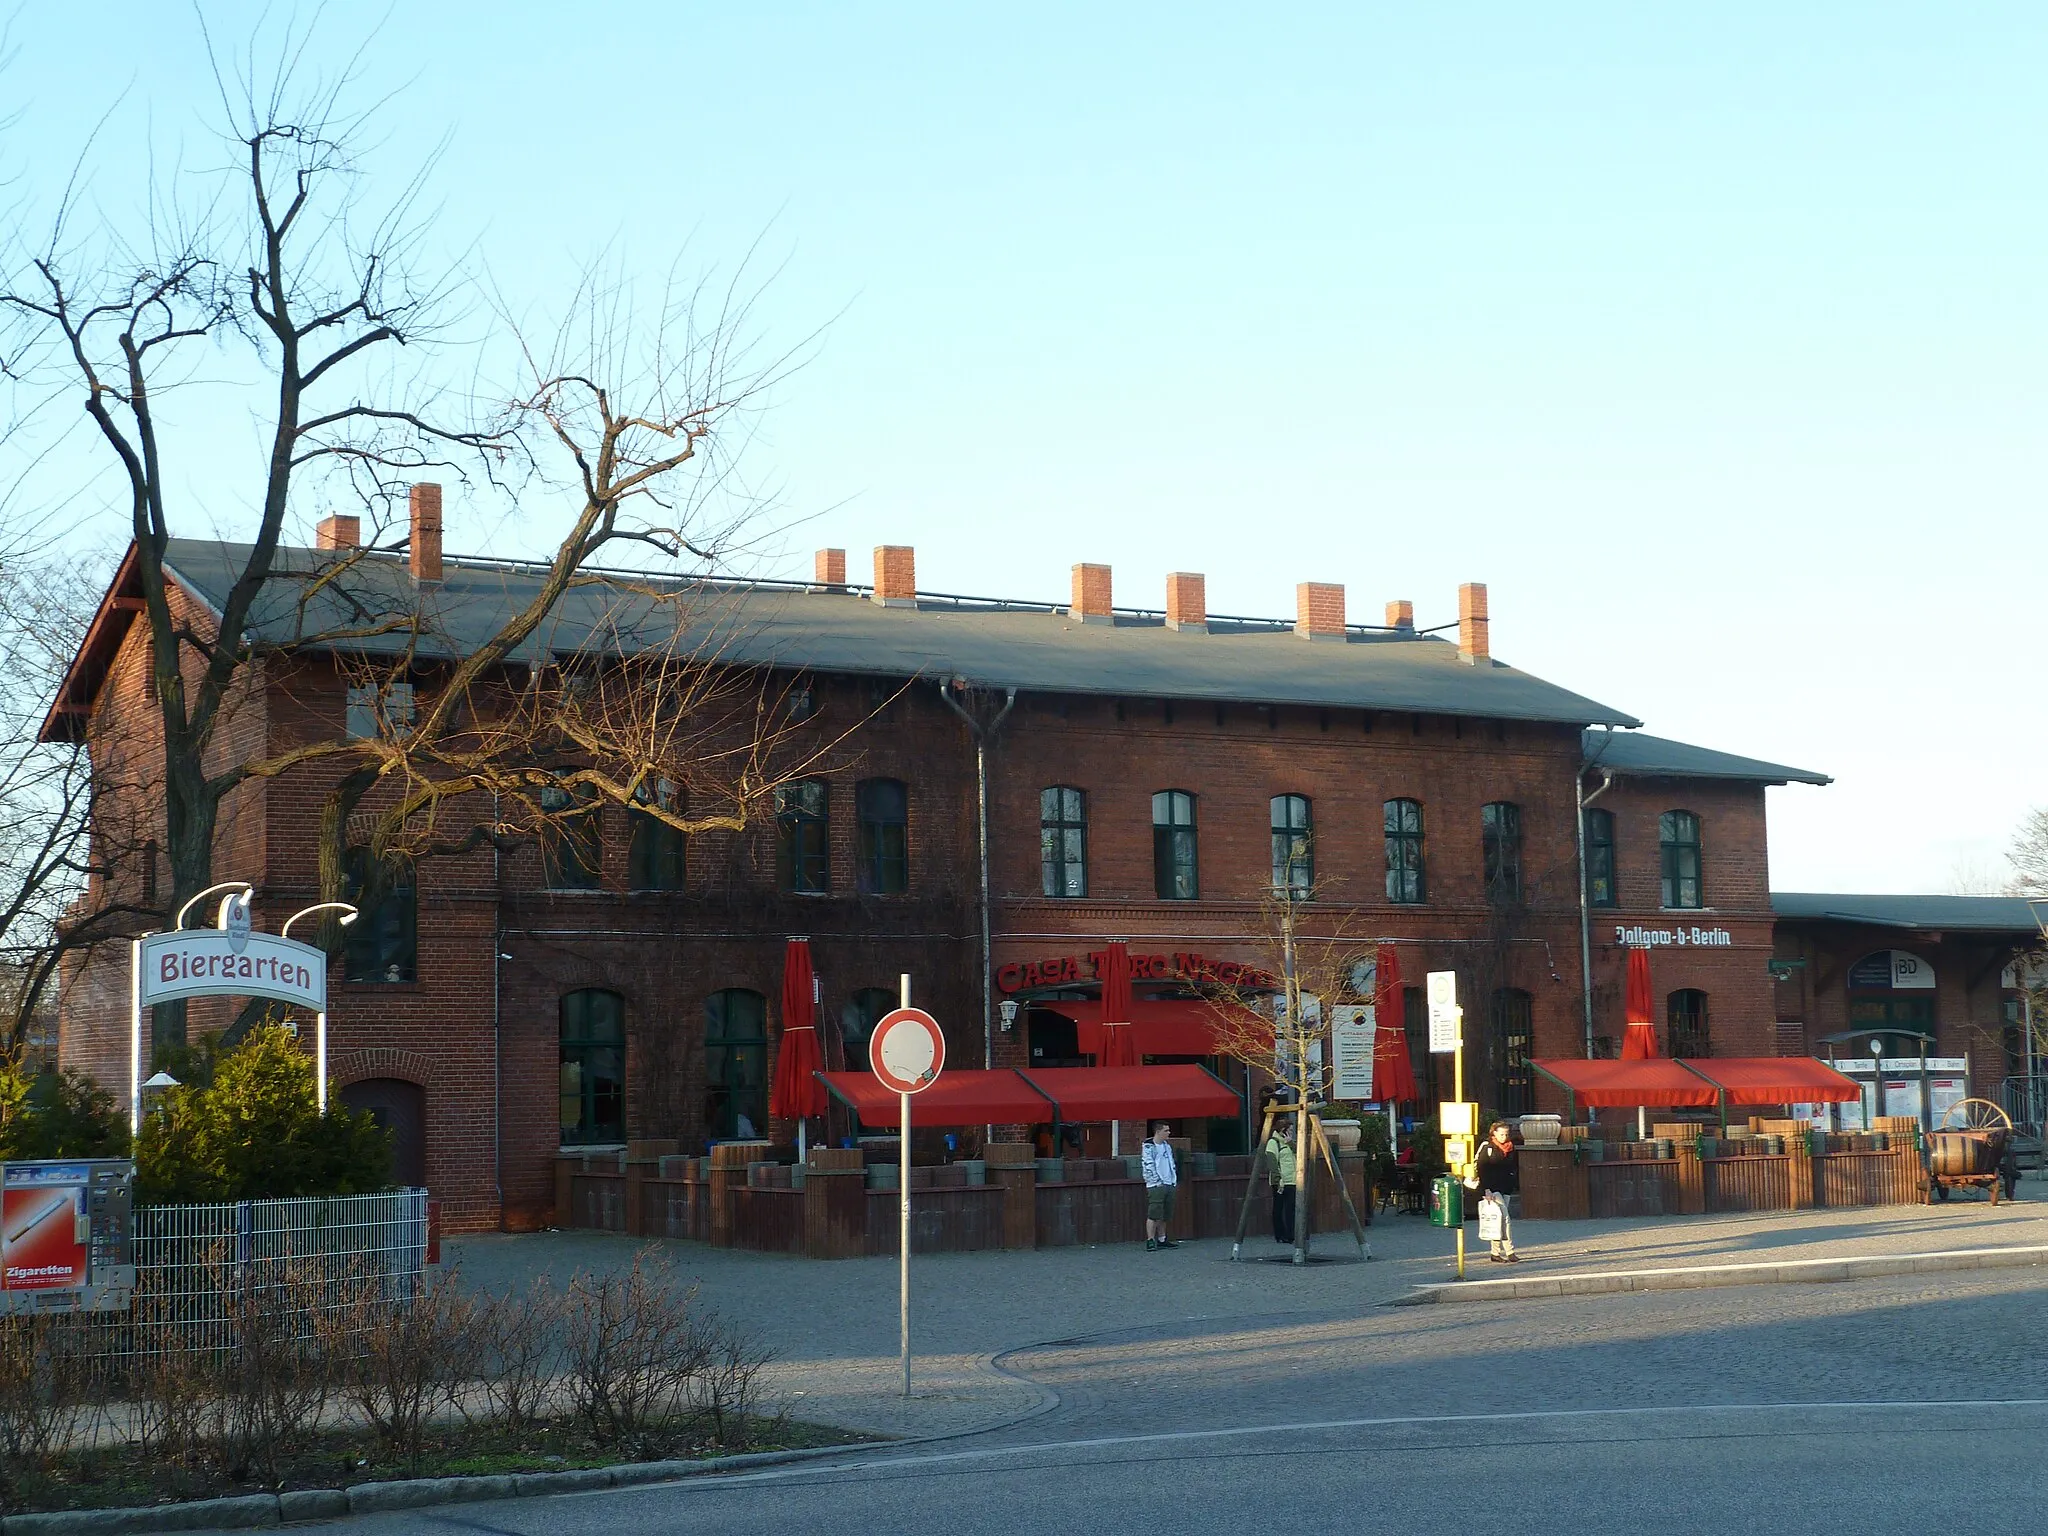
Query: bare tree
point(2027, 853)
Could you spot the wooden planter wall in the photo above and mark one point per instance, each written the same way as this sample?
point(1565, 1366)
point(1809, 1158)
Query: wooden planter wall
point(1557, 1185)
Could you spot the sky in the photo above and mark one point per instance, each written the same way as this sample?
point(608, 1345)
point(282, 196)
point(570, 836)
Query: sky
point(1712, 341)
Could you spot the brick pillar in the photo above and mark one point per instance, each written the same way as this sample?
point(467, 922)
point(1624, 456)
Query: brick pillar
point(566, 1169)
point(836, 1212)
point(1012, 1165)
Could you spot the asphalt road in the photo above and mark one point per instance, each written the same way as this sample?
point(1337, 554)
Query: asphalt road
point(1873, 1407)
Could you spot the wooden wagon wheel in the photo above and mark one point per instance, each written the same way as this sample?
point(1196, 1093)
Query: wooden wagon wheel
point(1975, 1115)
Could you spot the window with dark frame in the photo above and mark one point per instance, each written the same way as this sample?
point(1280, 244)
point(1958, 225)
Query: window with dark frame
point(1405, 882)
point(1294, 867)
point(1415, 1026)
point(803, 849)
point(1176, 874)
point(1678, 838)
point(1686, 1030)
point(883, 806)
point(656, 852)
point(1063, 840)
point(377, 711)
point(1512, 1047)
point(1500, 836)
point(735, 1064)
point(593, 1067)
point(857, 1021)
point(1601, 889)
point(572, 839)
point(382, 944)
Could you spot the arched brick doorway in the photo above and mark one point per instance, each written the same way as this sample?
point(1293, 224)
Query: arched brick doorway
point(400, 1108)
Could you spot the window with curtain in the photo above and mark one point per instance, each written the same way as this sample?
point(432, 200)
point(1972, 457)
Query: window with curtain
point(735, 1064)
point(803, 849)
point(1678, 839)
point(1601, 889)
point(1685, 1018)
point(1511, 1049)
point(593, 1078)
point(883, 808)
point(655, 851)
point(1405, 883)
point(572, 841)
point(382, 944)
point(1294, 867)
point(1175, 873)
point(1063, 840)
point(1500, 837)
point(857, 1021)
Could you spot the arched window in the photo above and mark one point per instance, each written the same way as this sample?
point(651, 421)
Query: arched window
point(803, 848)
point(1405, 883)
point(1176, 875)
point(1063, 840)
point(655, 852)
point(593, 1080)
point(571, 838)
point(1512, 1045)
point(1678, 846)
point(1500, 837)
point(1685, 1019)
point(883, 806)
point(1601, 889)
point(735, 1064)
point(857, 1021)
point(1294, 863)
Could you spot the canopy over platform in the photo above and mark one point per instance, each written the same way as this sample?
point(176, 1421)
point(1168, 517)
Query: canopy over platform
point(1089, 1094)
point(961, 1096)
point(1775, 1079)
point(1628, 1084)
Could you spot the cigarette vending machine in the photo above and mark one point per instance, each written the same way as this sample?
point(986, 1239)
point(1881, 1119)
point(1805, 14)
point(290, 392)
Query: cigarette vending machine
point(65, 1229)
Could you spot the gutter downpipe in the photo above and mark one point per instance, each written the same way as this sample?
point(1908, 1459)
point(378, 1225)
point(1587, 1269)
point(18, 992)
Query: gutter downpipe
point(1585, 896)
point(981, 736)
point(497, 1016)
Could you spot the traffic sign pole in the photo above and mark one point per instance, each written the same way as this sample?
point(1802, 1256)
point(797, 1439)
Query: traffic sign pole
point(906, 1052)
point(903, 1213)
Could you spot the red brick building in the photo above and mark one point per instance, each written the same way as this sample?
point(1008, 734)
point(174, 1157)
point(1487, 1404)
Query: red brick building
point(1149, 775)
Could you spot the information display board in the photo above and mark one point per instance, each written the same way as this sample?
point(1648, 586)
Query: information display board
point(65, 1230)
point(1354, 1029)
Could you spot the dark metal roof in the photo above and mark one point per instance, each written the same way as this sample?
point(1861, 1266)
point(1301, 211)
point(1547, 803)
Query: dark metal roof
point(1030, 647)
point(1956, 914)
point(1633, 754)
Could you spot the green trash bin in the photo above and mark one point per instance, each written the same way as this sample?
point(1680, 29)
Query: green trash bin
point(1446, 1202)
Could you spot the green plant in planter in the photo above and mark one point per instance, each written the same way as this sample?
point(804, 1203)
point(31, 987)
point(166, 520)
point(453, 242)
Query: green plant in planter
point(58, 1114)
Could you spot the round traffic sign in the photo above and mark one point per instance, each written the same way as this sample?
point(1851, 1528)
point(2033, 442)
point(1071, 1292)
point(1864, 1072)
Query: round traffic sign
point(907, 1051)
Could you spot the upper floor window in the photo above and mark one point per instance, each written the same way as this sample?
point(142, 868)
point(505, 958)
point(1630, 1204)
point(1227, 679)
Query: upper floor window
point(1175, 873)
point(372, 711)
point(735, 1064)
point(857, 1021)
point(1601, 890)
point(1063, 840)
point(1678, 838)
point(382, 944)
point(1294, 867)
point(884, 809)
point(802, 846)
point(1500, 835)
point(1405, 881)
point(571, 838)
point(1685, 1018)
point(593, 1071)
point(655, 853)
point(1512, 1046)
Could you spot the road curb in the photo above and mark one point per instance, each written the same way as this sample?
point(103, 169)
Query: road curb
point(1706, 1276)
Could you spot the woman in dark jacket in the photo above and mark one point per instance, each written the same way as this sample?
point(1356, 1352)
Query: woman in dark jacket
point(1500, 1175)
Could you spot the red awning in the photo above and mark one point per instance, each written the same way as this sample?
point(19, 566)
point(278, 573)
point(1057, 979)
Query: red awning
point(968, 1096)
point(1776, 1079)
point(1627, 1084)
point(1161, 1026)
point(1089, 1094)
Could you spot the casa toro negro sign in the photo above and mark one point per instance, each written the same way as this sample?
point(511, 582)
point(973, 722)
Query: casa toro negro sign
point(1183, 966)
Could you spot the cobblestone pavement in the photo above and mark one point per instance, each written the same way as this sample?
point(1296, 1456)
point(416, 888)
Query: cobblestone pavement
point(1167, 1328)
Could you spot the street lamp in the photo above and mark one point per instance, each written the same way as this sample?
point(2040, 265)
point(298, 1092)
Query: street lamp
point(242, 887)
point(348, 915)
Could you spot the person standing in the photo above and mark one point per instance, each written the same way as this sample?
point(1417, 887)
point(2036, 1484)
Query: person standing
point(1280, 1168)
point(1500, 1177)
point(1162, 1184)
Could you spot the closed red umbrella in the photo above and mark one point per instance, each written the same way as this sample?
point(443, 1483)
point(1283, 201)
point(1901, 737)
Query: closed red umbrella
point(1639, 1042)
point(796, 1093)
point(1119, 1048)
point(1393, 1072)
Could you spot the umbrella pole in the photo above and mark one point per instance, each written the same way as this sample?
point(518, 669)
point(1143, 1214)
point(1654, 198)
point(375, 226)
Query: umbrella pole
point(1642, 1123)
point(1114, 1127)
point(800, 1141)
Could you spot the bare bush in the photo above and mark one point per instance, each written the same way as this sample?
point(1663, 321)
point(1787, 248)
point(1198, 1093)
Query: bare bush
point(401, 1360)
point(45, 1391)
point(518, 1340)
point(729, 1390)
point(269, 1387)
point(634, 1349)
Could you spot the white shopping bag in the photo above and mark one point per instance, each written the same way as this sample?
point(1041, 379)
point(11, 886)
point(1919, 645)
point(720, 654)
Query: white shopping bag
point(1492, 1228)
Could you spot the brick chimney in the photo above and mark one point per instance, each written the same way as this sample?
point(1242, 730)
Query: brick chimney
point(1319, 611)
point(1187, 601)
point(828, 568)
point(1091, 595)
point(896, 576)
point(339, 531)
point(1401, 614)
point(1473, 645)
point(425, 503)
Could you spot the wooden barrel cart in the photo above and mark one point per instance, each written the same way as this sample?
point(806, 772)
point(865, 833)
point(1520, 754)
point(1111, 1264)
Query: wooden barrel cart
point(1966, 1151)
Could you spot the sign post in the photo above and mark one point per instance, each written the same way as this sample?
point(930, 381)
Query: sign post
point(907, 1052)
point(1458, 1120)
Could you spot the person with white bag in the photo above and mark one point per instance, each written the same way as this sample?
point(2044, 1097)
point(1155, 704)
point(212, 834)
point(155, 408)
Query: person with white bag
point(1500, 1177)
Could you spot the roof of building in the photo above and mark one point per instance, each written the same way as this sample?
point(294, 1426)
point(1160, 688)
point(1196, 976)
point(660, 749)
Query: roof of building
point(1964, 914)
point(1028, 646)
point(1633, 754)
